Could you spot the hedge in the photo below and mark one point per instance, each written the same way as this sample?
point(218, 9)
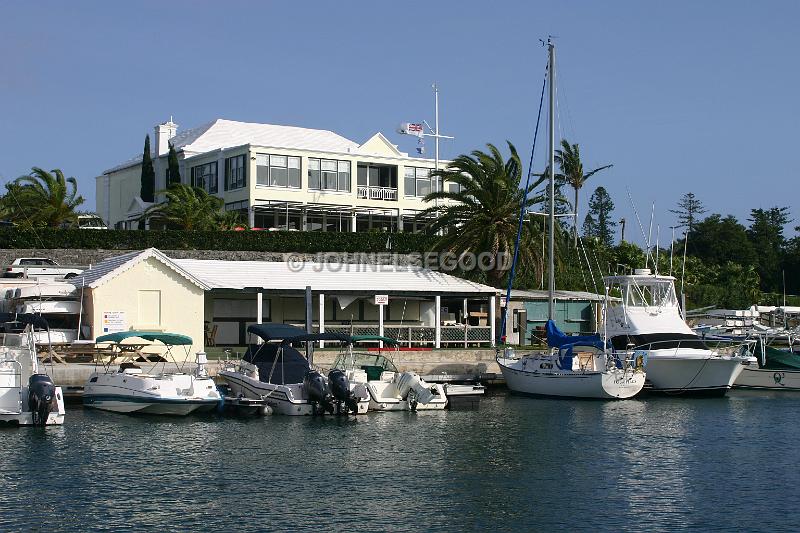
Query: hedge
point(257, 241)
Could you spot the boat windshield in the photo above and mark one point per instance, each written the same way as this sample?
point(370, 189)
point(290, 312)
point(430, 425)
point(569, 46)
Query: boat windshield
point(653, 293)
point(348, 360)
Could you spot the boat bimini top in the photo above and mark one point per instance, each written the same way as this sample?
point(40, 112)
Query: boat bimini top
point(174, 339)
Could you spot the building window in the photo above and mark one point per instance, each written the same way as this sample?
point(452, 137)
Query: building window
point(236, 206)
point(235, 172)
point(205, 177)
point(278, 171)
point(418, 182)
point(329, 175)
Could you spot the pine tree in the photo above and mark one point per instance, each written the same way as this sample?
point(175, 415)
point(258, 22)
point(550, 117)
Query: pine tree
point(173, 170)
point(598, 222)
point(148, 181)
point(689, 210)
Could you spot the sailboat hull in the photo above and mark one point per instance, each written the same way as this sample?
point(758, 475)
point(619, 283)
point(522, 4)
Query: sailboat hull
point(610, 385)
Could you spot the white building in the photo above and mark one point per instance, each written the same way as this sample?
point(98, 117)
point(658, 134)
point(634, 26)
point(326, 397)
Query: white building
point(283, 177)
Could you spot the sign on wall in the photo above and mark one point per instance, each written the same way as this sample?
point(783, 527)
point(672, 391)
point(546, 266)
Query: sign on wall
point(114, 321)
point(381, 299)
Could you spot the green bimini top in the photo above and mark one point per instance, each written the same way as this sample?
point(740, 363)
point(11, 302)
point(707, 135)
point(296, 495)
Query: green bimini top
point(364, 338)
point(173, 339)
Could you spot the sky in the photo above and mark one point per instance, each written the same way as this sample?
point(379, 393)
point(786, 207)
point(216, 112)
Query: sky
point(680, 96)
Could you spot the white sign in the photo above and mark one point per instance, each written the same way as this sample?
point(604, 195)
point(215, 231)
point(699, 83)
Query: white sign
point(381, 299)
point(411, 128)
point(114, 321)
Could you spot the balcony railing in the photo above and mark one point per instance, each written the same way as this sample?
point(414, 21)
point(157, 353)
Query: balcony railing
point(377, 193)
point(411, 336)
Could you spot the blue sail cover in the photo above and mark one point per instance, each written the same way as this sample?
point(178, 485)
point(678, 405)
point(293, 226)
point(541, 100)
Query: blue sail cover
point(558, 339)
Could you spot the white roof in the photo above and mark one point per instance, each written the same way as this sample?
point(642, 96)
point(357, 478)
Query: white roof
point(221, 133)
point(113, 267)
point(331, 277)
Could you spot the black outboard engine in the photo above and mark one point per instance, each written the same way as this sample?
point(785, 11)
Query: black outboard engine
point(340, 388)
point(317, 390)
point(41, 398)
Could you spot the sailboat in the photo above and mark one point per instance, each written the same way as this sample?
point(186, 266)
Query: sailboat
point(574, 367)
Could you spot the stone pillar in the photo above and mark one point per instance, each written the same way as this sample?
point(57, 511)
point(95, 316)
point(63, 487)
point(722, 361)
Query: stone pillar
point(380, 323)
point(438, 323)
point(251, 216)
point(399, 221)
point(304, 220)
point(353, 222)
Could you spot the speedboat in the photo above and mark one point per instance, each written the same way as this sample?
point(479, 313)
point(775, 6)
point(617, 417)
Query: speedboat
point(277, 373)
point(574, 367)
point(28, 396)
point(389, 389)
point(647, 321)
point(129, 389)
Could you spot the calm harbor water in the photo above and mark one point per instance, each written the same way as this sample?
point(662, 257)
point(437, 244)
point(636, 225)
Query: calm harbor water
point(517, 464)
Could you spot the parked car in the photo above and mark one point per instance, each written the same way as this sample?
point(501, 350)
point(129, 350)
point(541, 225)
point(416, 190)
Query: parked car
point(38, 266)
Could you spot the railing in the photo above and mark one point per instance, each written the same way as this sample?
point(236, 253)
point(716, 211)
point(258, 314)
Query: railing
point(377, 193)
point(411, 336)
point(718, 347)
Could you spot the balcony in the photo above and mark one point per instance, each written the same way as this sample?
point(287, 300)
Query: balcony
point(377, 193)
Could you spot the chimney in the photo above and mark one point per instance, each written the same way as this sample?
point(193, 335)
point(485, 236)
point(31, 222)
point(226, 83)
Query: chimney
point(164, 132)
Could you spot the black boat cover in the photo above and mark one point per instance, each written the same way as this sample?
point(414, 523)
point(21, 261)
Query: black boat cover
point(24, 318)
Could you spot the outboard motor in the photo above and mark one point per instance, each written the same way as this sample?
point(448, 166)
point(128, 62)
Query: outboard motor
point(41, 398)
point(317, 390)
point(340, 388)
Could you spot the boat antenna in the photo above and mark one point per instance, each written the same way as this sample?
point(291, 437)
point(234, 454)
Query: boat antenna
point(672, 248)
point(658, 231)
point(683, 272)
point(639, 222)
point(522, 206)
point(650, 233)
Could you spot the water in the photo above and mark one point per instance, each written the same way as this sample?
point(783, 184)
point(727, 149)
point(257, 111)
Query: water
point(518, 464)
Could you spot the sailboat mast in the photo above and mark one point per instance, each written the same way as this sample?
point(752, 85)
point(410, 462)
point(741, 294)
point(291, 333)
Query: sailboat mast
point(552, 223)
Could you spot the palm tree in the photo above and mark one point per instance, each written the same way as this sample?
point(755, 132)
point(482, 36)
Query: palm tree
point(188, 208)
point(481, 214)
point(569, 159)
point(45, 198)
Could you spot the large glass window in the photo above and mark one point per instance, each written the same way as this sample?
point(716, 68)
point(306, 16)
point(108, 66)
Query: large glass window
point(235, 172)
point(329, 175)
point(418, 182)
point(278, 171)
point(205, 176)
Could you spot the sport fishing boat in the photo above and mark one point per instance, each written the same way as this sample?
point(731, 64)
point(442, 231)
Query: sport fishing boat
point(277, 373)
point(28, 396)
point(131, 390)
point(574, 367)
point(389, 389)
point(647, 321)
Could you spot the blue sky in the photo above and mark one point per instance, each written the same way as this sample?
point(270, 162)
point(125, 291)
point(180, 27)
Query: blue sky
point(680, 96)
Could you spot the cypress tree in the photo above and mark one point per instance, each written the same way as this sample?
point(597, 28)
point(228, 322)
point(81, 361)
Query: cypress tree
point(173, 170)
point(148, 182)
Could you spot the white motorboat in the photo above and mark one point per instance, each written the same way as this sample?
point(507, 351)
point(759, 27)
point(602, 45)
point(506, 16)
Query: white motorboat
point(647, 321)
point(131, 390)
point(574, 367)
point(389, 389)
point(277, 373)
point(777, 369)
point(46, 290)
point(49, 307)
point(28, 396)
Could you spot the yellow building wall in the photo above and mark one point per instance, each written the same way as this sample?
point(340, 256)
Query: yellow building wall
point(152, 297)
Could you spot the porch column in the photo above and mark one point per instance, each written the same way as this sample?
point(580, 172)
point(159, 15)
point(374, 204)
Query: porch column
point(380, 324)
point(492, 327)
point(438, 314)
point(353, 222)
point(251, 216)
point(304, 220)
point(399, 221)
point(259, 311)
point(466, 323)
point(321, 317)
